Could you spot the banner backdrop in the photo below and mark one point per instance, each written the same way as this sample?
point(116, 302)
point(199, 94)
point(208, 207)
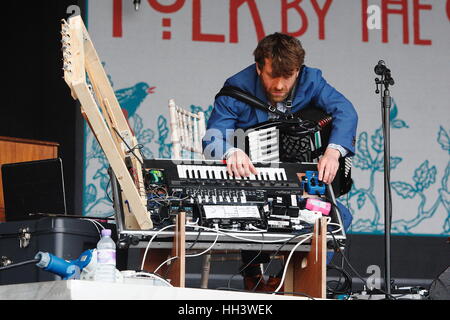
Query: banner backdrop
point(185, 49)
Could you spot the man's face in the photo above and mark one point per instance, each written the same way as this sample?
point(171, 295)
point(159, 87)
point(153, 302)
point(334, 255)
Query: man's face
point(277, 89)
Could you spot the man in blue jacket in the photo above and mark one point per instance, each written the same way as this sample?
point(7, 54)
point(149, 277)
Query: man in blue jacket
point(280, 78)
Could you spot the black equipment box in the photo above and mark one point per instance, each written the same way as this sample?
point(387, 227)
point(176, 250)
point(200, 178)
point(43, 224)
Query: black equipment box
point(66, 238)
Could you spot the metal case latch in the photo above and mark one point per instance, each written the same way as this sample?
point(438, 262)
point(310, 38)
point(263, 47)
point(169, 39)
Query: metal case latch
point(24, 237)
point(4, 261)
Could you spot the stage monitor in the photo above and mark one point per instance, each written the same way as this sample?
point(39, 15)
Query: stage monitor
point(33, 187)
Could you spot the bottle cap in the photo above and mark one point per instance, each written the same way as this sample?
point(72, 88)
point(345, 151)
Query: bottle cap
point(106, 232)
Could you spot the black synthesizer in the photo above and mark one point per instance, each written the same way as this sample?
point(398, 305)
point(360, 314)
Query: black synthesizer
point(270, 199)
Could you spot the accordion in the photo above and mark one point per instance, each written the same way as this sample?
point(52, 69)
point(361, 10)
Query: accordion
point(301, 139)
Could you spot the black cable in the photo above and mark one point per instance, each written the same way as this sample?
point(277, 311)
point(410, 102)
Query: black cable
point(106, 190)
point(344, 288)
point(271, 259)
point(245, 267)
point(196, 239)
point(129, 148)
point(337, 248)
point(19, 264)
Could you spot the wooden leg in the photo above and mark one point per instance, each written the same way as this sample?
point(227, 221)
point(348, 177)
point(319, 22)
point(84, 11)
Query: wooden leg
point(206, 267)
point(307, 270)
point(176, 270)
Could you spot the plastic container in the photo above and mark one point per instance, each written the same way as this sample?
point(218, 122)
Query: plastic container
point(106, 258)
point(318, 205)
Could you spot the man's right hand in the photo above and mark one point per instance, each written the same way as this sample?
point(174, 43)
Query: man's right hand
point(240, 165)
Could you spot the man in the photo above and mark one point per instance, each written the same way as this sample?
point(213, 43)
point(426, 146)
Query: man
point(280, 78)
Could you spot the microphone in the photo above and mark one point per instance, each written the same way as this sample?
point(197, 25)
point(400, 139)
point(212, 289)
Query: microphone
point(381, 68)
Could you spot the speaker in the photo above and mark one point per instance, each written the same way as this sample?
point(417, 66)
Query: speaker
point(440, 287)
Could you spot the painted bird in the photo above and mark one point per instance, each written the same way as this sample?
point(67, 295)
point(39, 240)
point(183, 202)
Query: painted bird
point(131, 98)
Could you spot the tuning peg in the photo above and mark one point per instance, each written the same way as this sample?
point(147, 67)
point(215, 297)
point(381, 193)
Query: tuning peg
point(67, 65)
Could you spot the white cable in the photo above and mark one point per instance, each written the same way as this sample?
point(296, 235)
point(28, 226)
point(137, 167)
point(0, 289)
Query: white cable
point(148, 244)
point(95, 223)
point(335, 224)
point(155, 276)
point(189, 255)
point(246, 239)
point(167, 261)
point(287, 262)
point(205, 251)
point(192, 223)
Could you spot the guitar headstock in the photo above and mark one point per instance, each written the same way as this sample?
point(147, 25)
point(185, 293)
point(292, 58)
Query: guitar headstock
point(73, 53)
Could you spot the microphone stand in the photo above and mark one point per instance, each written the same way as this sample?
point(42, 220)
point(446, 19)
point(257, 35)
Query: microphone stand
point(386, 102)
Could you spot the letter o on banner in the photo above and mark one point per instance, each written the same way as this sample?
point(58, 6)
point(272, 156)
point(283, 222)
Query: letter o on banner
point(166, 8)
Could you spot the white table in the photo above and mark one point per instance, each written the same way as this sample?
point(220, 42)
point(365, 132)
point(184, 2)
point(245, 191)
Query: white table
point(91, 290)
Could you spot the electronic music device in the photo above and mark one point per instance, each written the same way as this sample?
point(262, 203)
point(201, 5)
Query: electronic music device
point(270, 202)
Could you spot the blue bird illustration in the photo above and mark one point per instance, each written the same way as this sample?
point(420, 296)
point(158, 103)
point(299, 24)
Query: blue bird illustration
point(131, 98)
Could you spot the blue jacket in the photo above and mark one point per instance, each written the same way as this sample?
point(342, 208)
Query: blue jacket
point(311, 89)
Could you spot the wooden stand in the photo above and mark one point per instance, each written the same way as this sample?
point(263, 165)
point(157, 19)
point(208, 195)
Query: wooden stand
point(306, 270)
point(101, 109)
point(176, 269)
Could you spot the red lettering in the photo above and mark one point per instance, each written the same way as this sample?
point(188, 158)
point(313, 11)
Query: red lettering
point(403, 11)
point(417, 8)
point(365, 16)
point(321, 13)
point(234, 6)
point(166, 22)
point(166, 35)
point(197, 34)
point(285, 7)
point(117, 19)
point(171, 8)
point(448, 9)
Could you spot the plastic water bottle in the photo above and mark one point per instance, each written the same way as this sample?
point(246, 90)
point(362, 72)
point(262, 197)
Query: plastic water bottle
point(106, 258)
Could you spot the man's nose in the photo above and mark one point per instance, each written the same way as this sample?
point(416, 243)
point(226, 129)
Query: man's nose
point(278, 83)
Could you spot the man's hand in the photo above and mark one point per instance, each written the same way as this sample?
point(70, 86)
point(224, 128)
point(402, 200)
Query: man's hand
point(240, 165)
point(328, 165)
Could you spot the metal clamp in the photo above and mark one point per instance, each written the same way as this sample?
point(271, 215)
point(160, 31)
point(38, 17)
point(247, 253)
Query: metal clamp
point(24, 237)
point(5, 261)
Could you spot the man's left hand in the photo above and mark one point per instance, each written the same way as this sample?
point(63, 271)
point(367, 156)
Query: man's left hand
point(328, 165)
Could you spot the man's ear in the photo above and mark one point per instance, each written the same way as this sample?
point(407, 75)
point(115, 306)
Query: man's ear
point(258, 71)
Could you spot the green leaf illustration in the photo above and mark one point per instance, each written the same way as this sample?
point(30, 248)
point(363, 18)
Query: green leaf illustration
point(90, 194)
point(361, 163)
point(403, 189)
point(146, 136)
point(444, 139)
point(361, 200)
point(138, 124)
point(394, 112)
point(445, 179)
point(424, 176)
point(162, 128)
point(362, 147)
point(377, 141)
point(398, 124)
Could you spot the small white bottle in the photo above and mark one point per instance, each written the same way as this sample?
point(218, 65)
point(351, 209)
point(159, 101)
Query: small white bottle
point(106, 258)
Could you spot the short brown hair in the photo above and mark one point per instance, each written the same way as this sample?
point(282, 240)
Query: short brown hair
point(286, 52)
